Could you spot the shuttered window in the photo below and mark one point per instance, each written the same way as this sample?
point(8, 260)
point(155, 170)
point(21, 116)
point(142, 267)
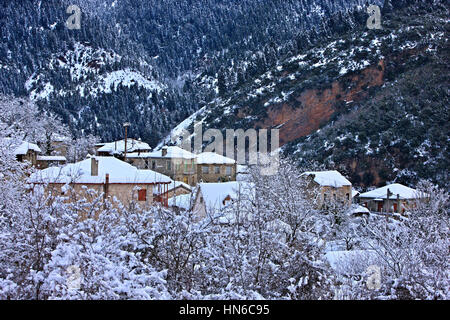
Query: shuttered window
point(142, 195)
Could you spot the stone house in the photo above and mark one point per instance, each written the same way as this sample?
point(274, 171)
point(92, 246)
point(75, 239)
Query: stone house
point(176, 188)
point(30, 152)
point(175, 162)
point(107, 175)
point(117, 148)
point(43, 162)
point(212, 167)
point(329, 186)
point(25, 151)
point(394, 198)
point(213, 198)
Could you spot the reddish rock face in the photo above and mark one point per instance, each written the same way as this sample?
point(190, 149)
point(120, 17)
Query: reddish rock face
point(316, 106)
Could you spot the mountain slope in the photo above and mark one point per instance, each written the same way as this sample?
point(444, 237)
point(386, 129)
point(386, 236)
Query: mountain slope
point(366, 91)
point(168, 58)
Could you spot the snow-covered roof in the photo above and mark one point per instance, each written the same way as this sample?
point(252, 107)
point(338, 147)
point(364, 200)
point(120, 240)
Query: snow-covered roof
point(403, 191)
point(59, 138)
point(355, 193)
point(176, 184)
point(80, 172)
point(118, 147)
point(20, 147)
point(183, 201)
point(329, 178)
point(51, 158)
point(173, 185)
point(172, 152)
point(215, 193)
point(213, 158)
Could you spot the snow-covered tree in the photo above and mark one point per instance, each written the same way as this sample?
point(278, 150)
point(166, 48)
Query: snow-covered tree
point(414, 251)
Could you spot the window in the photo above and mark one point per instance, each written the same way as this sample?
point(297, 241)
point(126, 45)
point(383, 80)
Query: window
point(153, 165)
point(169, 165)
point(348, 196)
point(229, 171)
point(205, 170)
point(147, 164)
point(142, 195)
point(217, 170)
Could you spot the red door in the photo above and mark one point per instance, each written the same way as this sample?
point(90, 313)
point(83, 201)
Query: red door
point(395, 207)
point(380, 206)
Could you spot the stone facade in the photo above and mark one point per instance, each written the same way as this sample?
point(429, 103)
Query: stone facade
point(323, 194)
point(178, 169)
point(126, 193)
point(216, 172)
point(30, 156)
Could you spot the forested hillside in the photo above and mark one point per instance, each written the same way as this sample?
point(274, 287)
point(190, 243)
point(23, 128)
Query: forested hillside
point(370, 103)
point(152, 63)
point(379, 97)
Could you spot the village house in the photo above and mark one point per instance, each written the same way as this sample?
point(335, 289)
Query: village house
point(175, 162)
point(176, 188)
point(212, 198)
point(212, 167)
point(329, 186)
point(391, 198)
point(107, 175)
point(25, 151)
point(44, 162)
point(59, 145)
point(30, 152)
point(121, 148)
point(182, 202)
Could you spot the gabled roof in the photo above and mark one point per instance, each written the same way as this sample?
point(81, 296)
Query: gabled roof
point(214, 194)
point(404, 192)
point(19, 147)
point(183, 201)
point(80, 172)
point(329, 178)
point(213, 158)
point(174, 185)
point(118, 147)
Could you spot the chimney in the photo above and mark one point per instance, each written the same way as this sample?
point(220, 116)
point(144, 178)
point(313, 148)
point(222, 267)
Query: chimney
point(164, 151)
point(106, 188)
point(94, 167)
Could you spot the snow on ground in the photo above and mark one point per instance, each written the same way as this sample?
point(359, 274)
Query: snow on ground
point(351, 262)
point(128, 78)
point(181, 128)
